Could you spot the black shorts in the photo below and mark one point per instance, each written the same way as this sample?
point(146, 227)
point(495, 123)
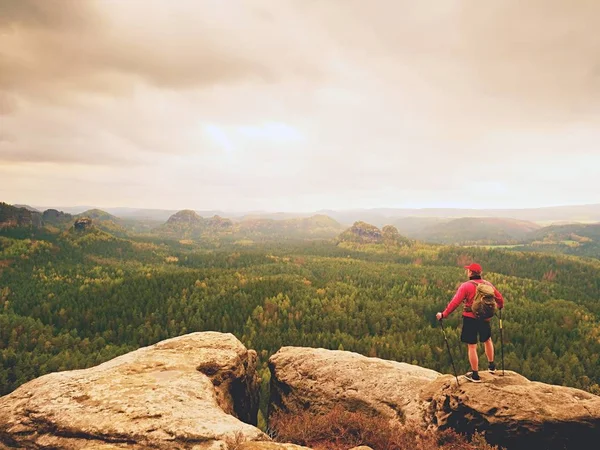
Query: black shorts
point(473, 327)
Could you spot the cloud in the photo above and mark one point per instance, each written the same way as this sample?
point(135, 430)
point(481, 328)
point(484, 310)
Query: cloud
point(44, 14)
point(110, 46)
point(341, 101)
point(506, 62)
point(533, 60)
point(537, 51)
point(8, 104)
point(138, 80)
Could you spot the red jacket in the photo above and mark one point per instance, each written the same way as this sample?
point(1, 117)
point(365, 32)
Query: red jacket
point(466, 294)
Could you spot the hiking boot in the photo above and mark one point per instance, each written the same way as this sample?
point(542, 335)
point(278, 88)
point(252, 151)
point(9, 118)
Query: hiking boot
point(473, 376)
point(492, 368)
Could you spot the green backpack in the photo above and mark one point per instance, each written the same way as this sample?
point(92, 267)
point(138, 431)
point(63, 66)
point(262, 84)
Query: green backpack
point(484, 304)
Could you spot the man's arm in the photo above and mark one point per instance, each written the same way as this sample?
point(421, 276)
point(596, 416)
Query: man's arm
point(460, 295)
point(499, 298)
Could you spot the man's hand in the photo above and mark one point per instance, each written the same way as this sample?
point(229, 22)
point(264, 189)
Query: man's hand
point(439, 316)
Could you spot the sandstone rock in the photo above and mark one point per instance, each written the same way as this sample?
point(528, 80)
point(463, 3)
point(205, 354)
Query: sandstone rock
point(317, 379)
point(361, 232)
point(82, 224)
point(183, 393)
point(515, 412)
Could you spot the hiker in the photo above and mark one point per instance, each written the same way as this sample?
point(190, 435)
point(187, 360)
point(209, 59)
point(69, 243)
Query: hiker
point(473, 327)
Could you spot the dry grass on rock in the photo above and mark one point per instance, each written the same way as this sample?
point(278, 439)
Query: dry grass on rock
point(340, 429)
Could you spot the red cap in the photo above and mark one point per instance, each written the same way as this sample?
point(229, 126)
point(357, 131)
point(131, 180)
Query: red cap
point(474, 267)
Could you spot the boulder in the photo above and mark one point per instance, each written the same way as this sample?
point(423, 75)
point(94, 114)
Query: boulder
point(200, 392)
point(514, 412)
point(197, 391)
point(317, 379)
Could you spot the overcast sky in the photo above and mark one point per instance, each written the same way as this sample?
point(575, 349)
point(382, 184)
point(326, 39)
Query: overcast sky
point(299, 105)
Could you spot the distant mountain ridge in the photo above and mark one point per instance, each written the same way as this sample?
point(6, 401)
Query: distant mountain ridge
point(27, 207)
point(189, 224)
point(376, 216)
point(581, 232)
point(581, 239)
point(478, 230)
point(573, 239)
point(545, 215)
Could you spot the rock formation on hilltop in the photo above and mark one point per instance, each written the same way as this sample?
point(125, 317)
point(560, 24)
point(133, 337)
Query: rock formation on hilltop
point(365, 233)
point(85, 223)
point(511, 410)
point(188, 224)
point(515, 412)
point(200, 392)
point(361, 232)
point(188, 392)
point(318, 379)
point(102, 221)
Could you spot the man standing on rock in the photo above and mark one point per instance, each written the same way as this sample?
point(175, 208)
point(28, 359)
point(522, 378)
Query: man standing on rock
point(473, 327)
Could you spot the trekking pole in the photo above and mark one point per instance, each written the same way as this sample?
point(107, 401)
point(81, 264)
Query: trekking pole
point(449, 352)
point(501, 341)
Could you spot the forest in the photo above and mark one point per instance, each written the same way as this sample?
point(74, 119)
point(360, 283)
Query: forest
point(73, 299)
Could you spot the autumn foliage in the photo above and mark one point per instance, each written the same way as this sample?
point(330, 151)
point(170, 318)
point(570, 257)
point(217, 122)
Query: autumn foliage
point(340, 429)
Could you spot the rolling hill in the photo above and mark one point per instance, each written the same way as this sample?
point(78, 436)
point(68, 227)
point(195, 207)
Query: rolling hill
point(187, 224)
point(16, 217)
point(572, 239)
point(543, 216)
point(365, 233)
point(411, 225)
point(104, 221)
point(318, 226)
point(27, 207)
point(476, 230)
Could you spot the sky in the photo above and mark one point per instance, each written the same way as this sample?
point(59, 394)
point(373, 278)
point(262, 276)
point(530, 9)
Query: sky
point(299, 105)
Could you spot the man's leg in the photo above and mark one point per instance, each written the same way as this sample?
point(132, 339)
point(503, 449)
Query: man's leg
point(485, 336)
point(469, 337)
point(473, 358)
point(489, 350)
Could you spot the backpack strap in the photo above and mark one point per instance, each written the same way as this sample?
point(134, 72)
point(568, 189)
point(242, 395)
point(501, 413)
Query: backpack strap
point(474, 283)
